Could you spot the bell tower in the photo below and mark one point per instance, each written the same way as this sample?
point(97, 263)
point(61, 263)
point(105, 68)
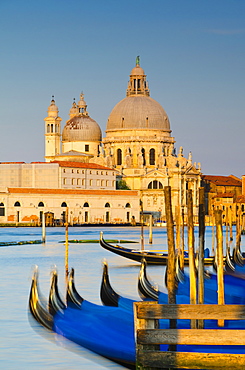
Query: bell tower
point(52, 132)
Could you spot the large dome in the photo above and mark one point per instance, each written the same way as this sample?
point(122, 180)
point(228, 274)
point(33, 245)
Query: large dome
point(81, 128)
point(138, 112)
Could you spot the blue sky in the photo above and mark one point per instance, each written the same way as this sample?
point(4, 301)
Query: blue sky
point(192, 51)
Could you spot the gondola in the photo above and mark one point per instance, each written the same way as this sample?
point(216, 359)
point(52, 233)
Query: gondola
point(107, 331)
point(148, 291)
point(152, 258)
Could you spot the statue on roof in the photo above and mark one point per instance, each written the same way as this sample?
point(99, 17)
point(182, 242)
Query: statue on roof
point(138, 60)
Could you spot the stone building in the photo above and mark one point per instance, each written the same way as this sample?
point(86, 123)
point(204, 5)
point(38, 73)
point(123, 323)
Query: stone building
point(138, 145)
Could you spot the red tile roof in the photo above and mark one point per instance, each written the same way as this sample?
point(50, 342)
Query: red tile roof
point(73, 191)
point(12, 162)
point(222, 180)
point(224, 195)
point(81, 165)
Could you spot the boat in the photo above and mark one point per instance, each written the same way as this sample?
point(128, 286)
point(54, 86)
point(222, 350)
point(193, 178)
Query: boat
point(234, 289)
point(152, 258)
point(107, 331)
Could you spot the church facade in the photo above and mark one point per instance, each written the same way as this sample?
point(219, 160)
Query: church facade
point(82, 167)
point(138, 144)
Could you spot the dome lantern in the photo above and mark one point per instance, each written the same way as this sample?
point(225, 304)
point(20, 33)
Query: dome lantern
point(137, 84)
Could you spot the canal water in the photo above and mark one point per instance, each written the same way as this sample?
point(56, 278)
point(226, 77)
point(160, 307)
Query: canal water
point(26, 345)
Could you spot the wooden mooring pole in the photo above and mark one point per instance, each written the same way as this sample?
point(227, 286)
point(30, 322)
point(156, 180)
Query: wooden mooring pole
point(220, 267)
point(171, 256)
point(150, 229)
point(43, 228)
point(201, 221)
point(191, 253)
point(66, 245)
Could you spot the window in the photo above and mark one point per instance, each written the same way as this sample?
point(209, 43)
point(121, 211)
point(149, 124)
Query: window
point(128, 205)
point(107, 216)
point(2, 209)
point(143, 155)
point(40, 204)
point(64, 204)
point(17, 204)
point(64, 181)
point(119, 157)
point(86, 204)
point(90, 182)
point(107, 204)
point(86, 148)
point(152, 156)
point(73, 181)
point(155, 185)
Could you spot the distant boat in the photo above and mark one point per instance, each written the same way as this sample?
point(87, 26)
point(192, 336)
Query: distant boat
point(152, 258)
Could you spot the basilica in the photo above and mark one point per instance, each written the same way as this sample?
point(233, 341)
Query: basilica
point(102, 179)
point(138, 145)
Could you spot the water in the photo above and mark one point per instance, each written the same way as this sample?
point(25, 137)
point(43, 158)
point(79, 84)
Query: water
point(26, 345)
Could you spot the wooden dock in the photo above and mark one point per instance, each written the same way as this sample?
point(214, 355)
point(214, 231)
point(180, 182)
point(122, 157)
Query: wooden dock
point(149, 336)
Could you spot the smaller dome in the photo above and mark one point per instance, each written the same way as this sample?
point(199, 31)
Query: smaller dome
point(81, 128)
point(53, 109)
point(137, 71)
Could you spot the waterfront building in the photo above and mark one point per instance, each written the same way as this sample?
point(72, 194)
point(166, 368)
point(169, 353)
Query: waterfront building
point(138, 145)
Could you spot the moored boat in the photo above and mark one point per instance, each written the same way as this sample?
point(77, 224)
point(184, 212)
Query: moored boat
point(152, 258)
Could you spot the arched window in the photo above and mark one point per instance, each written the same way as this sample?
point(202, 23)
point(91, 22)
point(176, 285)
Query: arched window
point(48, 128)
point(17, 204)
point(107, 204)
point(40, 204)
point(64, 204)
point(119, 157)
point(128, 205)
point(2, 209)
point(155, 185)
point(143, 155)
point(86, 204)
point(152, 156)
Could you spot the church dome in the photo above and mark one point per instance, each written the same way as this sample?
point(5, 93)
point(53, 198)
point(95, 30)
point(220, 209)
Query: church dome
point(138, 112)
point(81, 128)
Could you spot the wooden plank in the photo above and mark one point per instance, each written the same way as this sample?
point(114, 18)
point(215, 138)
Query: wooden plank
point(144, 325)
point(192, 336)
point(186, 311)
point(192, 360)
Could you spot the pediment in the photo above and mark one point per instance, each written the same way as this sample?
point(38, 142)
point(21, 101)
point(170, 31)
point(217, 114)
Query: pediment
point(192, 171)
point(156, 173)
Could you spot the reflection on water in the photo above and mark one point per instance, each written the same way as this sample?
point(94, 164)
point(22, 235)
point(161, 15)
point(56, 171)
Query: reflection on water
point(24, 344)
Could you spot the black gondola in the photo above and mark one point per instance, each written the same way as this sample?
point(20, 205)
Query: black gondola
point(152, 258)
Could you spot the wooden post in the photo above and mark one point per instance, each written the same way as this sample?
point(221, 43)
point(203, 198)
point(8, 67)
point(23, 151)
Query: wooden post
point(220, 267)
point(142, 225)
point(43, 228)
point(66, 245)
point(177, 222)
point(171, 256)
point(150, 230)
point(231, 220)
point(182, 260)
point(213, 236)
point(191, 253)
point(171, 246)
point(201, 221)
point(238, 229)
